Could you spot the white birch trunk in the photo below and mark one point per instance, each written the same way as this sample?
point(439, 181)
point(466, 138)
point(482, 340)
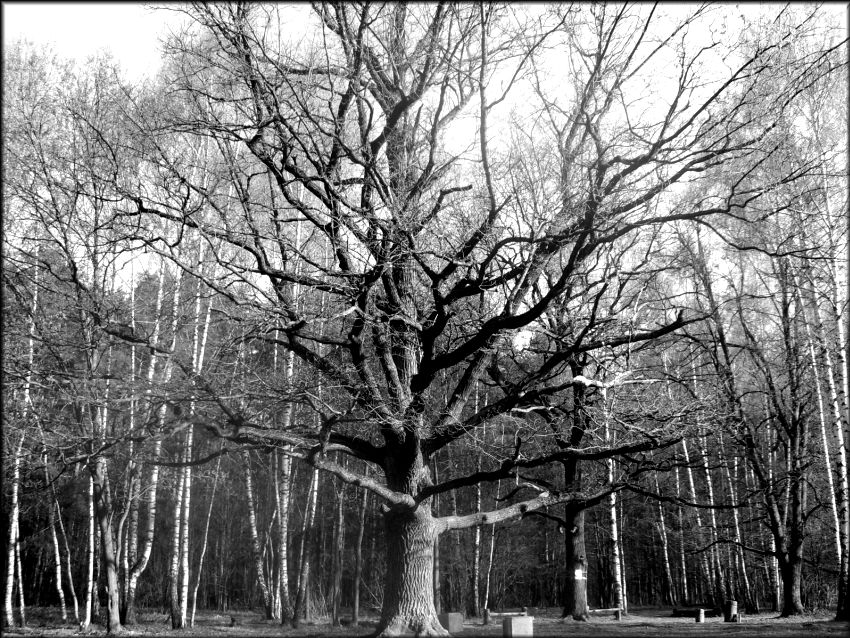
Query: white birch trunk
point(665, 554)
point(303, 553)
point(174, 566)
point(612, 517)
point(204, 544)
point(20, 575)
point(255, 538)
point(683, 565)
point(86, 623)
point(693, 494)
point(740, 557)
point(14, 513)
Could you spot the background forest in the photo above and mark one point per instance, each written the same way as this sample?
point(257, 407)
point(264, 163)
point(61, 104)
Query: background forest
point(497, 305)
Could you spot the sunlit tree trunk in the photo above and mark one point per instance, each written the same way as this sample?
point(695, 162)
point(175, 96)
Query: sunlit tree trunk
point(138, 566)
point(67, 558)
point(14, 514)
point(616, 565)
point(476, 551)
point(90, 548)
point(174, 560)
point(692, 491)
point(57, 555)
point(721, 592)
point(256, 549)
point(19, 576)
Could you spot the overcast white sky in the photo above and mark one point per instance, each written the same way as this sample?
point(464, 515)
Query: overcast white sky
point(79, 29)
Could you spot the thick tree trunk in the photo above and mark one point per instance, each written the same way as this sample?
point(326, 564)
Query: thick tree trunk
point(408, 589)
point(575, 586)
point(791, 571)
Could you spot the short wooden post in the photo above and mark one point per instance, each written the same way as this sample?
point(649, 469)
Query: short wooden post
point(486, 616)
point(525, 611)
point(700, 615)
point(618, 615)
point(730, 611)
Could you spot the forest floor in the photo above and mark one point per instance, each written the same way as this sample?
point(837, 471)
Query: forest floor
point(639, 623)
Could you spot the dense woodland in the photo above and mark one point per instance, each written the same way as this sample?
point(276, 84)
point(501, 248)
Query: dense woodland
point(397, 308)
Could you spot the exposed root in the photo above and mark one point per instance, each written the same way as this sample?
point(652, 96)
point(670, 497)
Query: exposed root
point(411, 627)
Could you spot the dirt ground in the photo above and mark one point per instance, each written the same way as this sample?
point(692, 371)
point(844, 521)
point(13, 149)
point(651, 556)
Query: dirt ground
point(639, 623)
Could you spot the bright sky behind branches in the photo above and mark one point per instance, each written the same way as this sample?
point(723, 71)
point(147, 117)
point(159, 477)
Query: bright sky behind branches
point(130, 30)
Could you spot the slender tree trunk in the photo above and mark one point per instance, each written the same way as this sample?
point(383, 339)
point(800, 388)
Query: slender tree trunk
point(138, 566)
point(358, 557)
point(692, 488)
point(67, 558)
point(184, 530)
point(714, 554)
point(19, 575)
point(670, 593)
point(204, 543)
point(283, 537)
point(57, 558)
point(174, 565)
point(304, 553)
point(476, 551)
point(683, 565)
point(90, 583)
point(624, 594)
point(338, 563)
point(13, 548)
point(103, 507)
point(750, 601)
point(488, 577)
point(14, 514)
point(255, 538)
point(617, 586)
